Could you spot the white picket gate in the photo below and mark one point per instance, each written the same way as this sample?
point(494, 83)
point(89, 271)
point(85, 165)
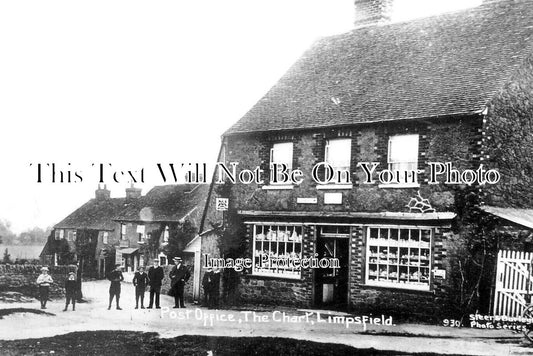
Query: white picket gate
point(513, 282)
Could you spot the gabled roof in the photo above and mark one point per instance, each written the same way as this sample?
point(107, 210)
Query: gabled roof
point(96, 214)
point(166, 203)
point(445, 65)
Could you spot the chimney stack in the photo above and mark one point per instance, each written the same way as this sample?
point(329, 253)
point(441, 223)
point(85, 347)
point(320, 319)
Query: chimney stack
point(372, 12)
point(102, 194)
point(132, 192)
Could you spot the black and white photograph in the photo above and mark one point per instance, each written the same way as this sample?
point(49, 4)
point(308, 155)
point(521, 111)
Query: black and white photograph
point(282, 177)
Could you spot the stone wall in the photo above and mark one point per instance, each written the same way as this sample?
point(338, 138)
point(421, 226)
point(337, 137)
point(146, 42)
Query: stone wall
point(22, 279)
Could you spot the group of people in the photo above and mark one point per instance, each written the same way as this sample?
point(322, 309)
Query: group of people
point(44, 281)
point(153, 279)
point(178, 275)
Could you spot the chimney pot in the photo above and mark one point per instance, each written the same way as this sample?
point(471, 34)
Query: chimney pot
point(372, 12)
point(102, 194)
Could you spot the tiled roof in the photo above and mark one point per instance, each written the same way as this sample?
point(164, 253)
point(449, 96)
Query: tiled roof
point(96, 214)
point(444, 65)
point(522, 217)
point(166, 203)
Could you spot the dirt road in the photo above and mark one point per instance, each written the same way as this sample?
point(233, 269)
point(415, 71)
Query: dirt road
point(299, 324)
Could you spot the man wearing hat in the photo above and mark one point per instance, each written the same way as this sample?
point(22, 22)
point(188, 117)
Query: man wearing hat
point(44, 281)
point(155, 280)
point(178, 276)
point(140, 281)
point(115, 276)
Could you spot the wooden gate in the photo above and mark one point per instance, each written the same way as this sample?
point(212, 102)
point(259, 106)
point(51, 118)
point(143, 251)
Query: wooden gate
point(513, 281)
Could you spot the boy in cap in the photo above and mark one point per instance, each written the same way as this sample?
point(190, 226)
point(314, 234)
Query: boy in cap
point(140, 281)
point(44, 281)
point(71, 286)
point(178, 276)
point(115, 277)
point(155, 280)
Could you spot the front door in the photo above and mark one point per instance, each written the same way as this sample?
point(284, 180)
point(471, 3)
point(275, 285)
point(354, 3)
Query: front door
point(331, 284)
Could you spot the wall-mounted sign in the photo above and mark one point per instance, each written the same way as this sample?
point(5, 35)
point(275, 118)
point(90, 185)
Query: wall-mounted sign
point(439, 273)
point(306, 200)
point(222, 204)
point(332, 198)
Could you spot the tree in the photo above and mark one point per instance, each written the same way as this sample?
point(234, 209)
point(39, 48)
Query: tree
point(180, 235)
point(7, 257)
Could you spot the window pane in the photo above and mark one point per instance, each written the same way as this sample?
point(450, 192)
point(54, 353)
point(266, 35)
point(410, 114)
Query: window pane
point(282, 153)
point(338, 153)
point(403, 148)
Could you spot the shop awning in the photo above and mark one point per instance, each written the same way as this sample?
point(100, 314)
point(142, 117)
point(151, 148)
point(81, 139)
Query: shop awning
point(128, 250)
point(522, 217)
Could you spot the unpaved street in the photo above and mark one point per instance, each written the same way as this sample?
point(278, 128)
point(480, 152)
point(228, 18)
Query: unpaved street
point(297, 324)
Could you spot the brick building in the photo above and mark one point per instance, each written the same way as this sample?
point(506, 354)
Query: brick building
point(399, 95)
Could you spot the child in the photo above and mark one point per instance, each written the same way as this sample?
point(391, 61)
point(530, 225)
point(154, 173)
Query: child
point(140, 281)
point(71, 286)
point(44, 281)
point(115, 277)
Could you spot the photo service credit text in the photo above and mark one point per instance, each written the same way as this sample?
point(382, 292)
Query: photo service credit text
point(279, 173)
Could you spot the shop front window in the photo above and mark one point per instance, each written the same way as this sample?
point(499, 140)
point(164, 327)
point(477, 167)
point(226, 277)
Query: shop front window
point(399, 257)
point(276, 248)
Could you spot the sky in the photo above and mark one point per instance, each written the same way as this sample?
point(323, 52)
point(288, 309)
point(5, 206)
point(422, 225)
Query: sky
point(136, 83)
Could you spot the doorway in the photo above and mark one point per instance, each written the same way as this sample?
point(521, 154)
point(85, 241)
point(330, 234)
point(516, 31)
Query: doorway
point(331, 284)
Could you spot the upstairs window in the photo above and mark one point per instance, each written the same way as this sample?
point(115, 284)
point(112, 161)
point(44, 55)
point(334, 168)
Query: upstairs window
point(71, 235)
point(403, 152)
point(140, 233)
point(123, 231)
point(58, 234)
point(105, 237)
point(281, 153)
point(338, 154)
point(166, 235)
point(403, 156)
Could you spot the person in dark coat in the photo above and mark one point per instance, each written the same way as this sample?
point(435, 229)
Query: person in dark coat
point(115, 276)
point(207, 284)
point(215, 287)
point(71, 288)
point(178, 276)
point(140, 281)
point(155, 280)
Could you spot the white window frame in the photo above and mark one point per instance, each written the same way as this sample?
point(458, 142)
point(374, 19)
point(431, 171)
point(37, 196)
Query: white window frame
point(409, 256)
point(57, 234)
point(141, 231)
point(331, 160)
point(71, 235)
point(105, 237)
point(123, 232)
point(405, 164)
point(61, 234)
point(289, 146)
point(273, 239)
point(166, 234)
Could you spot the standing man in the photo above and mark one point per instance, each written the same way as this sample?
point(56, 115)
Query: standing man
point(155, 280)
point(44, 281)
point(207, 283)
point(140, 281)
point(178, 276)
point(115, 276)
point(215, 288)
